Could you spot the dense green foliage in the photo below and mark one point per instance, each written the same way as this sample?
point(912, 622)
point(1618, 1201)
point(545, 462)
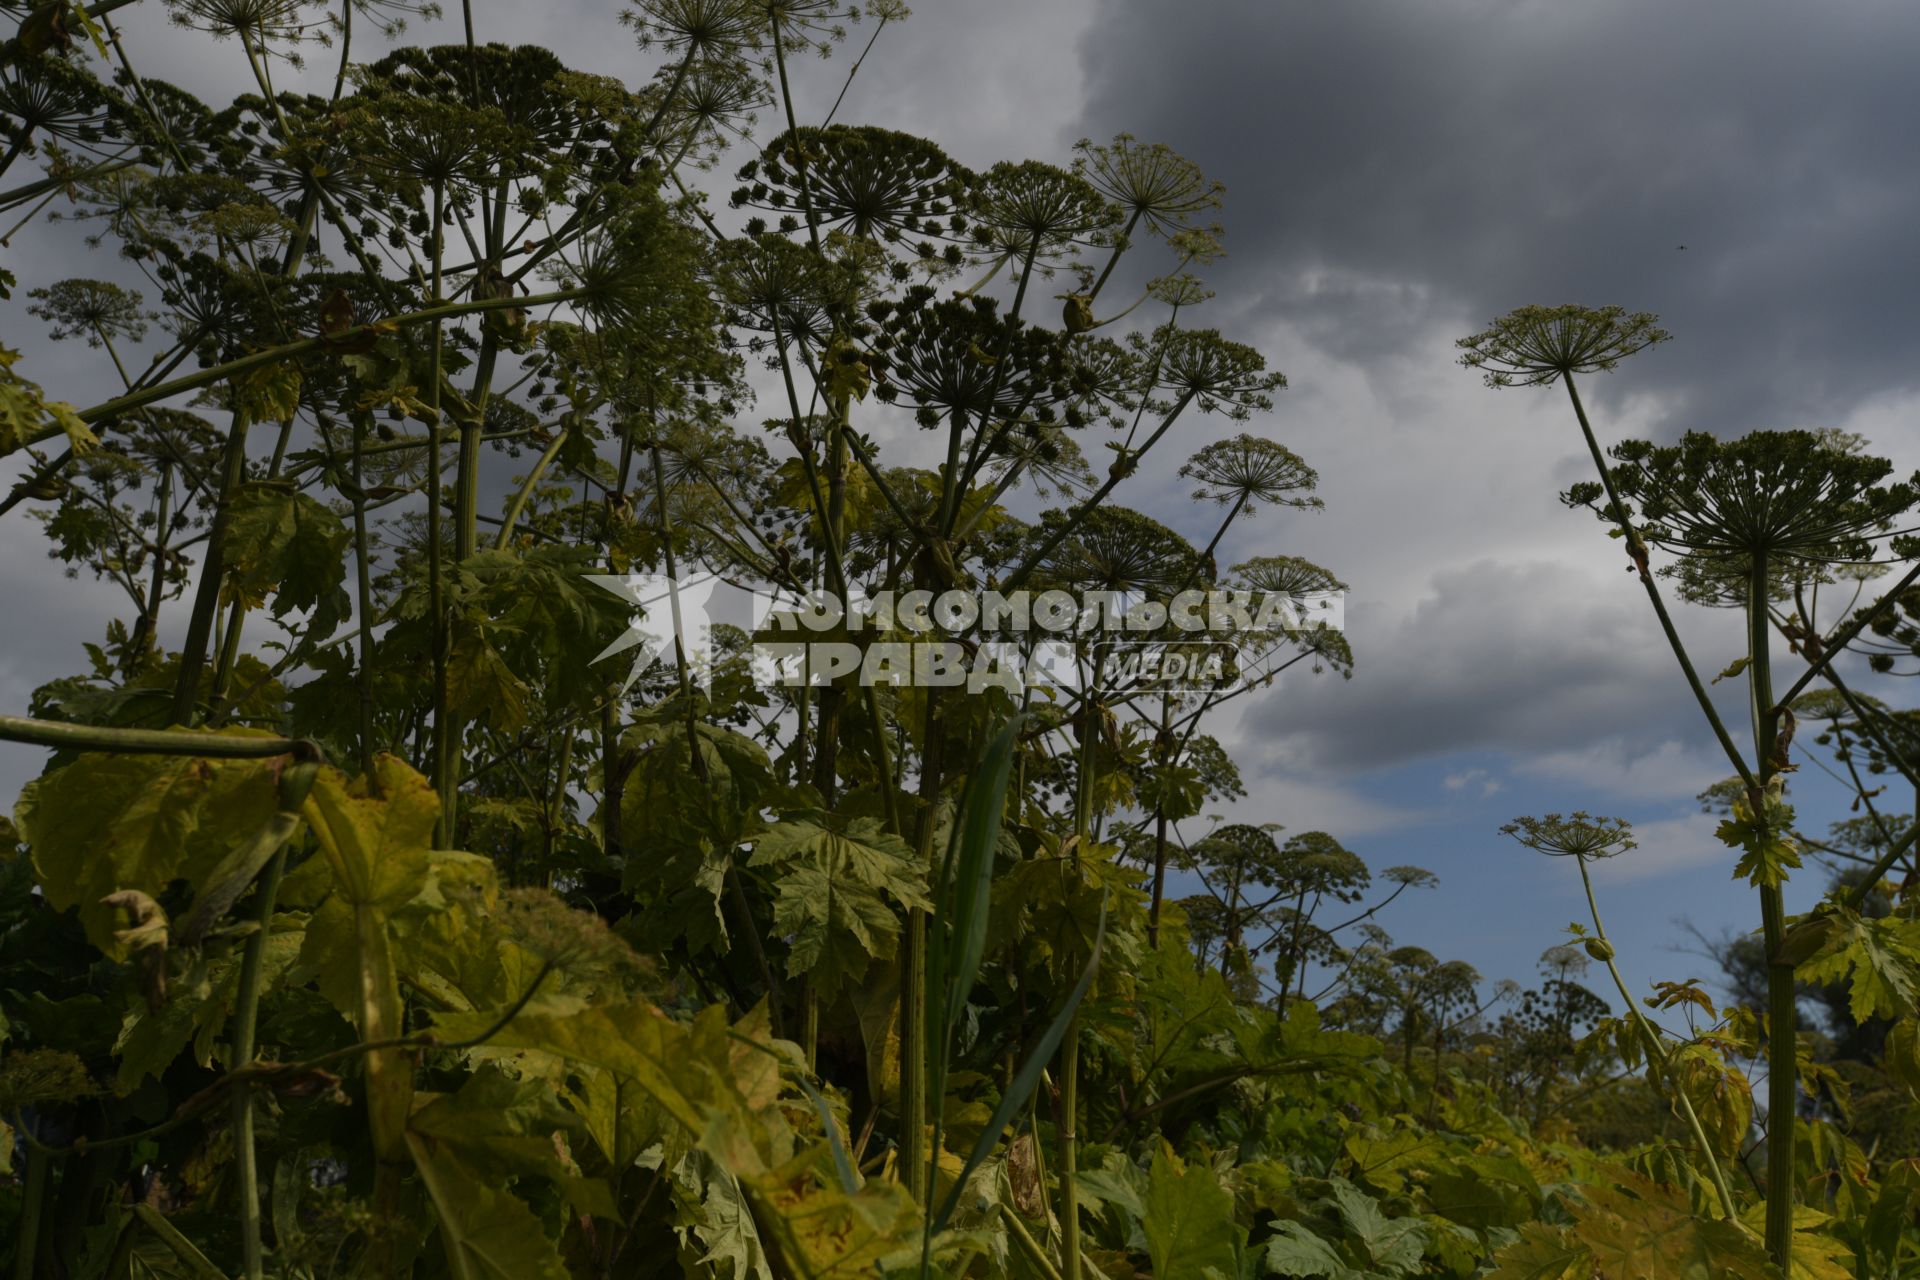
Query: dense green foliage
point(364, 922)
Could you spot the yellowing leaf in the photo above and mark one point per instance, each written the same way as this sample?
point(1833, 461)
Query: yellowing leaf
point(125, 822)
point(1542, 1253)
point(1878, 958)
point(493, 1230)
point(270, 393)
point(1640, 1228)
point(377, 846)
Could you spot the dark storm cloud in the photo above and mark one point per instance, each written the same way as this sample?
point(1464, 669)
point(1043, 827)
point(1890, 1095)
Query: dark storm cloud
point(1397, 171)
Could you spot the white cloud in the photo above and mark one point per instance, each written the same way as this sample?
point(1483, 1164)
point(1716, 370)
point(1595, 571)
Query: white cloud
point(1475, 780)
point(1617, 767)
point(1668, 846)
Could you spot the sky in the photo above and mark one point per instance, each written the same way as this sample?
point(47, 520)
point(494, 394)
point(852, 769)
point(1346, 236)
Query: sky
point(1398, 173)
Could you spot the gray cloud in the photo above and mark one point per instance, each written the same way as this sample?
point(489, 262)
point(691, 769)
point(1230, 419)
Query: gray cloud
point(1395, 167)
point(1536, 659)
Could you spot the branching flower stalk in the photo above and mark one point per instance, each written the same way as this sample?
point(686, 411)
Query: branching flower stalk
point(1771, 500)
point(1583, 838)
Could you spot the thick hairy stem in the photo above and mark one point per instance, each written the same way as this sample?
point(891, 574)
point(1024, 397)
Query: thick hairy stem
point(1782, 1061)
point(62, 736)
point(363, 591)
point(389, 1079)
point(833, 698)
point(213, 568)
point(736, 891)
point(33, 1201)
point(913, 980)
point(443, 739)
point(526, 489)
point(1159, 875)
point(1070, 1047)
point(1070, 1151)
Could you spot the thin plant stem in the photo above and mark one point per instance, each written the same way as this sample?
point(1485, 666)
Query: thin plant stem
point(246, 1014)
point(526, 490)
point(1637, 548)
point(1657, 1056)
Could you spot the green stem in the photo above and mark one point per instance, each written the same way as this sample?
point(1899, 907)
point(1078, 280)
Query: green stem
point(1638, 549)
point(62, 736)
point(1657, 1057)
point(1027, 1245)
point(526, 490)
point(213, 567)
point(288, 350)
point(1080, 513)
point(1782, 1011)
point(246, 1015)
point(363, 589)
point(1835, 646)
point(1070, 1047)
point(1878, 871)
point(1070, 1151)
point(33, 1199)
point(195, 1261)
point(443, 739)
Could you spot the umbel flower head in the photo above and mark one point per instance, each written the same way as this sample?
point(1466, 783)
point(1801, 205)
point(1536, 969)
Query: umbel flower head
point(1151, 182)
point(961, 356)
point(1248, 471)
point(1116, 549)
point(1218, 375)
point(1536, 346)
point(1287, 576)
point(97, 310)
point(874, 183)
point(1793, 495)
point(1573, 835)
point(1037, 210)
point(50, 97)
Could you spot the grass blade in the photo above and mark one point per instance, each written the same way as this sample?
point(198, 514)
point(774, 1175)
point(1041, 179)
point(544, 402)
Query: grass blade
point(1026, 1080)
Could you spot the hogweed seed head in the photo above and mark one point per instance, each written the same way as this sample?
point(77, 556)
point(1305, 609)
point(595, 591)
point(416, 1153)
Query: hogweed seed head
point(1573, 835)
point(1536, 346)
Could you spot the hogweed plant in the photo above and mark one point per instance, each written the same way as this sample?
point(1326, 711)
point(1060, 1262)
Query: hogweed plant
point(364, 922)
point(1747, 514)
point(1587, 838)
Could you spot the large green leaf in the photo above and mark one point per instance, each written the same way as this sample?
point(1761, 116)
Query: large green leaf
point(282, 541)
point(1879, 959)
point(489, 1233)
point(1189, 1222)
point(1393, 1245)
point(502, 1128)
point(1293, 1250)
point(1541, 1253)
point(839, 894)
